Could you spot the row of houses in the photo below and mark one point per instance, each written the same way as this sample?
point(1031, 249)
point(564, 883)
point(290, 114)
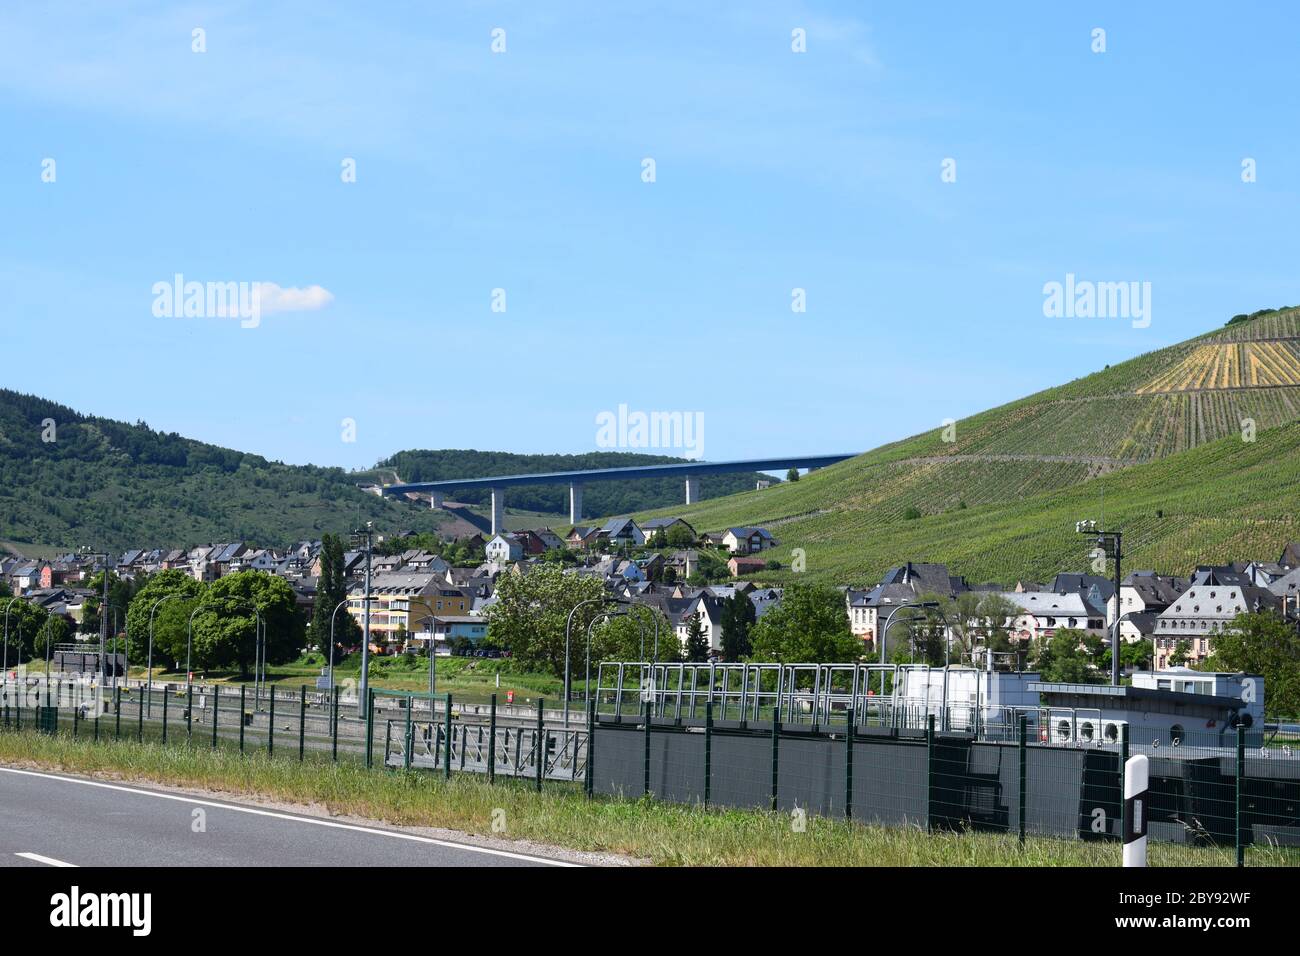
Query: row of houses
point(419, 599)
point(1179, 615)
point(626, 532)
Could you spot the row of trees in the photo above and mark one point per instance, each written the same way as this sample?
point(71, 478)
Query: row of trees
point(221, 617)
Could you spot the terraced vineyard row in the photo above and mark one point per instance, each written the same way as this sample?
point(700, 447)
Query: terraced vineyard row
point(1233, 365)
point(1284, 324)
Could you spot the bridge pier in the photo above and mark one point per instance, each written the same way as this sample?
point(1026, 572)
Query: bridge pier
point(435, 499)
point(498, 510)
point(692, 490)
point(575, 502)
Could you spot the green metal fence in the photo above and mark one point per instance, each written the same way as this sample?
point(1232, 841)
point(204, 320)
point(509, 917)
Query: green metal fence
point(849, 764)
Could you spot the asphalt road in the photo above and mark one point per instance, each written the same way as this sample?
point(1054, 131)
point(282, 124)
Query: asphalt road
point(51, 819)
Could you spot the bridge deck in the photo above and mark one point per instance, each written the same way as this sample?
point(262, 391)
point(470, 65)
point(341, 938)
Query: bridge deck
point(667, 470)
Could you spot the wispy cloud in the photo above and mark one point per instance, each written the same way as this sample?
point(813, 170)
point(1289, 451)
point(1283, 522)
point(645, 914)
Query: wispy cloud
point(275, 298)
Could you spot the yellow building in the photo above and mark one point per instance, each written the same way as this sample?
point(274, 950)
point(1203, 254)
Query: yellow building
point(401, 603)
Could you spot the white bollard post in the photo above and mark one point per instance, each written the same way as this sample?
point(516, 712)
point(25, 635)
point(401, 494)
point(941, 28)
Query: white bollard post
point(1137, 775)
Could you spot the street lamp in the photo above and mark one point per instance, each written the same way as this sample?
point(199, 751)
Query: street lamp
point(432, 657)
point(20, 634)
point(568, 624)
point(655, 618)
point(149, 661)
point(103, 618)
point(884, 633)
point(602, 616)
point(365, 534)
point(1110, 543)
point(333, 615)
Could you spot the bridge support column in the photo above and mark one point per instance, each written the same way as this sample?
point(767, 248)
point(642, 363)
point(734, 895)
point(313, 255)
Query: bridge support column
point(575, 502)
point(498, 510)
point(435, 499)
point(692, 490)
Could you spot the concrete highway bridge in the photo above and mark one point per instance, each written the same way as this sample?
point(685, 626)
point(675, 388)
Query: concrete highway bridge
point(690, 471)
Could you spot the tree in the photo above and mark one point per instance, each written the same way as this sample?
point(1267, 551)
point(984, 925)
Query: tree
point(529, 614)
point(738, 617)
point(1133, 655)
point(225, 631)
point(679, 536)
point(1264, 644)
point(54, 630)
point(1181, 654)
point(25, 622)
point(809, 625)
point(331, 590)
point(792, 474)
point(630, 637)
point(1071, 657)
point(181, 593)
point(697, 648)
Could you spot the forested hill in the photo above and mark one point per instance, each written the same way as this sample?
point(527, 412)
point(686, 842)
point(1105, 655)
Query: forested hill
point(602, 498)
point(68, 479)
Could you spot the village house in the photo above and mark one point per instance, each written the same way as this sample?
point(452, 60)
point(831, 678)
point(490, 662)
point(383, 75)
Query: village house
point(1043, 613)
point(399, 602)
point(623, 532)
point(1186, 628)
point(739, 566)
point(747, 540)
point(504, 548)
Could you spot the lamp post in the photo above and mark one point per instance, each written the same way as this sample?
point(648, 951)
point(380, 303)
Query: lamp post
point(1111, 545)
point(568, 624)
point(20, 631)
point(117, 625)
point(602, 616)
point(655, 618)
point(884, 632)
point(363, 702)
point(149, 661)
point(103, 605)
point(333, 615)
point(433, 682)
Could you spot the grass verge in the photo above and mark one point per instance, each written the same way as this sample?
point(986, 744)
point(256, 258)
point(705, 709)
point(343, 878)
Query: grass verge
point(661, 833)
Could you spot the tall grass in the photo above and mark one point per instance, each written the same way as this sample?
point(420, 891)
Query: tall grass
point(644, 830)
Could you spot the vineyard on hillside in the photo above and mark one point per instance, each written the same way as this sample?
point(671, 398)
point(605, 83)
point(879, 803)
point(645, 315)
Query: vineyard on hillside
point(1196, 446)
point(1229, 500)
point(1231, 365)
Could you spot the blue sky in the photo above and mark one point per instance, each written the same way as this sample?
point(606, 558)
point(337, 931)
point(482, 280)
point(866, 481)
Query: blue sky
point(523, 171)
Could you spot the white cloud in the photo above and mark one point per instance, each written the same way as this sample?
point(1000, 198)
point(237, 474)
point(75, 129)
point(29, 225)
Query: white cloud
point(274, 298)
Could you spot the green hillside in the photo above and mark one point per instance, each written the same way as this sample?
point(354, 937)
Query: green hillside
point(1163, 434)
point(94, 481)
point(104, 483)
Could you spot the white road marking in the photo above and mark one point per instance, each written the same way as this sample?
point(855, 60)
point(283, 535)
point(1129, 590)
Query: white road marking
point(47, 860)
point(333, 824)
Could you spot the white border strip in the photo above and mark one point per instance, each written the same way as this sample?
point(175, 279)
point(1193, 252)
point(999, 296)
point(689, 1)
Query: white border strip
point(47, 860)
point(334, 824)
